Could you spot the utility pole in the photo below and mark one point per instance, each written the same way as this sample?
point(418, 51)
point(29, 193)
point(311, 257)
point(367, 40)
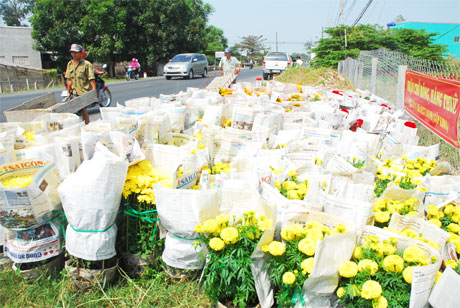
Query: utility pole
point(276, 40)
point(322, 31)
point(341, 12)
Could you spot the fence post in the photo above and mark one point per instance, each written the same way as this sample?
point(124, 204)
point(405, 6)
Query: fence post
point(401, 86)
point(374, 75)
point(27, 83)
point(35, 85)
point(359, 78)
point(340, 67)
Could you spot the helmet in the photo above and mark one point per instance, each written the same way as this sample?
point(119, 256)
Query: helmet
point(134, 59)
point(228, 50)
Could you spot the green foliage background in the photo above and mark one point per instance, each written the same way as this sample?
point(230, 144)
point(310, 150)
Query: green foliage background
point(417, 43)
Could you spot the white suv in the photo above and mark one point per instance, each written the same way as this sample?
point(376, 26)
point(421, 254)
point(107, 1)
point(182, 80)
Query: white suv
point(276, 63)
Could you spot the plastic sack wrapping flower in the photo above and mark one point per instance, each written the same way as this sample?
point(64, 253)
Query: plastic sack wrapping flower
point(442, 189)
point(36, 244)
point(442, 294)
point(58, 121)
point(420, 229)
point(411, 265)
point(323, 241)
point(29, 189)
point(180, 222)
point(91, 198)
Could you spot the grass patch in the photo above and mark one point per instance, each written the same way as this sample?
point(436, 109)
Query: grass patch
point(319, 77)
point(154, 290)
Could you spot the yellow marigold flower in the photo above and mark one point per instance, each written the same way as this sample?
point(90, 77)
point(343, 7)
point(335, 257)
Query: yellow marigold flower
point(348, 269)
point(438, 275)
point(393, 263)
point(435, 222)
point(288, 278)
point(210, 226)
point(307, 266)
point(216, 244)
point(289, 185)
point(341, 292)
point(276, 248)
point(357, 253)
point(18, 181)
point(264, 248)
point(388, 249)
point(452, 263)
point(222, 219)
point(413, 254)
point(264, 223)
point(371, 290)
point(199, 229)
point(382, 217)
point(380, 302)
point(229, 235)
point(277, 185)
point(292, 232)
point(341, 228)
point(407, 274)
point(368, 265)
point(314, 234)
point(293, 195)
point(372, 239)
point(307, 246)
point(453, 228)
point(292, 173)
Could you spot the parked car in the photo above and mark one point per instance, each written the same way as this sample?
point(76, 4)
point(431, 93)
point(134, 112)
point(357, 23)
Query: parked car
point(187, 65)
point(276, 63)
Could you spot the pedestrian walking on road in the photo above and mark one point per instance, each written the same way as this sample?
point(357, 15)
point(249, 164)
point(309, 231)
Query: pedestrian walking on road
point(80, 76)
point(229, 65)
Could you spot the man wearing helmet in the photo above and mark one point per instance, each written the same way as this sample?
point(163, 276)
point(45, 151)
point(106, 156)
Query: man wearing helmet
point(228, 64)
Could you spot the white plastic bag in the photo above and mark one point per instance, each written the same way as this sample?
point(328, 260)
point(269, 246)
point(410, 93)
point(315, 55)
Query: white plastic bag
point(91, 198)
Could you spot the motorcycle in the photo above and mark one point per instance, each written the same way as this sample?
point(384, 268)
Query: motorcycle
point(132, 73)
point(104, 95)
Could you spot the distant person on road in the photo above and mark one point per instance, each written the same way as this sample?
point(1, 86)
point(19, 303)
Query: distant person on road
point(228, 64)
point(80, 76)
point(135, 65)
point(299, 61)
point(251, 64)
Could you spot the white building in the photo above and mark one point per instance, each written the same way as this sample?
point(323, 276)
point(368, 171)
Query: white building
point(16, 47)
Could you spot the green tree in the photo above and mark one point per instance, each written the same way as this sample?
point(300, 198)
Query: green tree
point(56, 25)
point(331, 50)
point(254, 44)
point(214, 40)
point(14, 12)
point(115, 30)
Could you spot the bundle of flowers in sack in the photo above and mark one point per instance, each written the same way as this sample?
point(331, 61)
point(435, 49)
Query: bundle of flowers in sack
point(384, 208)
point(139, 232)
point(448, 219)
point(30, 193)
point(442, 296)
point(303, 267)
point(91, 198)
point(291, 187)
point(388, 270)
point(404, 175)
point(419, 229)
point(291, 262)
point(230, 242)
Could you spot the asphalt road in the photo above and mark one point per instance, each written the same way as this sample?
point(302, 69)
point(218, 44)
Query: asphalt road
point(125, 90)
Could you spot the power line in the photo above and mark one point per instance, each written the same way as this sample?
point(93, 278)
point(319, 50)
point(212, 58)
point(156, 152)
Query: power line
point(362, 13)
point(447, 32)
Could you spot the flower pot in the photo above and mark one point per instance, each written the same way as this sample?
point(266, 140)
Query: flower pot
point(5, 262)
point(30, 273)
point(230, 305)
point(134, 265)
point(84, 278)
point(178, 274)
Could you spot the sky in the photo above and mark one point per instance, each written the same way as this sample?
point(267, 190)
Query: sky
point(299, 21)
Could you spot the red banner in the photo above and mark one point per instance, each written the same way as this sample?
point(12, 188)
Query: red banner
point(435, 103)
